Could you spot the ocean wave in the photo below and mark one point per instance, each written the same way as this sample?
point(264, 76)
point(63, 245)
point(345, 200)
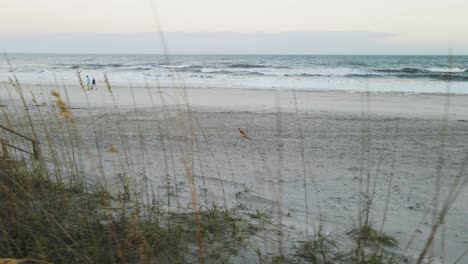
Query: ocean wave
point(145, 64)
point(410, 70)
point(356, 63)
point(248, 66)
point(93, 66)
point(191, 69)
point(245, 65)
point(437, 76)
point(402, 70)
point(450, 76)
point(140, 69)
point(307, 75)
point(176, 66)
point(182, 68)
point(345, 64)
point(448, 70)
point(219, 72)
point(253, 73)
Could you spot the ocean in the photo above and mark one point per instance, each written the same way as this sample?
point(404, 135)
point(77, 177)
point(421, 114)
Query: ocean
point(406, 74)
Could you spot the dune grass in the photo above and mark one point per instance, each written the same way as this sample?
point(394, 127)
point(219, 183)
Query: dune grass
point(74, 222)
point(51, 211)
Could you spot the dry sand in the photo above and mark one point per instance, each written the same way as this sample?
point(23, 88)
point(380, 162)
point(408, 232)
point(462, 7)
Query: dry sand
point(346, 136)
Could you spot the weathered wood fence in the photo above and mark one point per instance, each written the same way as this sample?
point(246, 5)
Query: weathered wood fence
point(5, 144)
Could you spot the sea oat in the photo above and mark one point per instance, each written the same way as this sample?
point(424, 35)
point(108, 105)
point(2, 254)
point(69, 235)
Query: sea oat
point(78, 74)
point(64, 110)
point(244, 134)
point(113, 149)
point(108, 85)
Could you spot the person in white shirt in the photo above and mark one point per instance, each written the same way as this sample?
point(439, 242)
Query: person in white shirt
point(88, 82)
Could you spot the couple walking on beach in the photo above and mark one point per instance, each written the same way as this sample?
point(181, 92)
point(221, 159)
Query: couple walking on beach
point(91, 84)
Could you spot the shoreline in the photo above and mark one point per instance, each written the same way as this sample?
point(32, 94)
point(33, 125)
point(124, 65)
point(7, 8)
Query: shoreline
point(429, 106)
point(252, 88)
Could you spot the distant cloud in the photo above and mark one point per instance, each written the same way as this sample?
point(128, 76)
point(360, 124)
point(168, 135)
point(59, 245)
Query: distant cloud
point(306, 42)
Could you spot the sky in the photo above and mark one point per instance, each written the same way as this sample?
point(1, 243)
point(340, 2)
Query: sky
point(235, 26)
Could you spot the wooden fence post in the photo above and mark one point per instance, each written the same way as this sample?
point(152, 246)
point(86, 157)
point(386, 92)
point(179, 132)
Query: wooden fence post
point(36, 151)
point(4, 150)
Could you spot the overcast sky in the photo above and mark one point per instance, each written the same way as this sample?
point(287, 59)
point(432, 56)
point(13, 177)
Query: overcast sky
point(202, 26)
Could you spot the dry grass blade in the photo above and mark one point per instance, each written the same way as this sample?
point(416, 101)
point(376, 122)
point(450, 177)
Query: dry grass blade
point(459, 184)
point(80, 80)
point(244, 134)
point(461, 256)
point(108, 85)
point(18, 261)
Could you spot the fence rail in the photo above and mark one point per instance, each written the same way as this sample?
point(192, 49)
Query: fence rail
point(35, 143)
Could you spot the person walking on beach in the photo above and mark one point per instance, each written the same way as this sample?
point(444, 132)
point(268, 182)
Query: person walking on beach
point(88, 82)
point(94, 84)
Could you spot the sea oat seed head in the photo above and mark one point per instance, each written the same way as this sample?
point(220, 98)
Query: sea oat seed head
point(113, 149)
point(63, 107)
point(243, 134)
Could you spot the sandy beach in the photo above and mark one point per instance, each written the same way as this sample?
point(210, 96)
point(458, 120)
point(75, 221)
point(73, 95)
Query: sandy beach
point(209, 132)
point(336, 138)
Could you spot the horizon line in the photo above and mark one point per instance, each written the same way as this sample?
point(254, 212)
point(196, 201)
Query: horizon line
point(228, 54)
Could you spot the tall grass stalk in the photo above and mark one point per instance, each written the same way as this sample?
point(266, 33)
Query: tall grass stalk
point(278, 180)
point(303, 162)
